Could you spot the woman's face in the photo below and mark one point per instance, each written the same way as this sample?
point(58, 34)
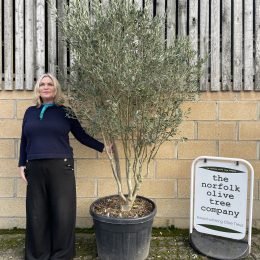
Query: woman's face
point(47, 90)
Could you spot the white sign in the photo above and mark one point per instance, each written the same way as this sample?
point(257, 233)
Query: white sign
point(220, 205)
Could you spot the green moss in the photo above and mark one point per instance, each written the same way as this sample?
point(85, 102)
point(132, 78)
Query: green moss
point(157, 232)
point(11, 243)
point(172, 231)
point(12, 231)
point(85, 230)
point(166, 243)
point(169, 231)
point(255, 231)
point(86, 246)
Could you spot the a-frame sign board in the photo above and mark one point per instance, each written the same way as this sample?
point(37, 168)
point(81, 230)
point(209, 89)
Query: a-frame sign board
point(221, 203)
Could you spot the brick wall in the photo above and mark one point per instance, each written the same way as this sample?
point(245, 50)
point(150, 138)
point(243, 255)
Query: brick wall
point(220, 124)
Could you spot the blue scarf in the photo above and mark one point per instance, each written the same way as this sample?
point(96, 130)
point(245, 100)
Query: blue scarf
point(44, 108)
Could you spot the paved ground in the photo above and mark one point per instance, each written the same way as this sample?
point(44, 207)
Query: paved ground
point(162, 247)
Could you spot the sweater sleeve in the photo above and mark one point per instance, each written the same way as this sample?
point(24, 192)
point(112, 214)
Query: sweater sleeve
point(23, 144)
point(80, 134)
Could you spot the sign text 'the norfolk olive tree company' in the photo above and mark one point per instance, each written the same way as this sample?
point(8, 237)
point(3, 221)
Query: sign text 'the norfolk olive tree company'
point(221, 199)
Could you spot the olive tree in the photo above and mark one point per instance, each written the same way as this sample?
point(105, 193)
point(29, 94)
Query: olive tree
point(126, 84)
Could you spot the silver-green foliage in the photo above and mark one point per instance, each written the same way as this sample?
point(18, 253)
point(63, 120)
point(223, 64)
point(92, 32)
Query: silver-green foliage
point(125, 83)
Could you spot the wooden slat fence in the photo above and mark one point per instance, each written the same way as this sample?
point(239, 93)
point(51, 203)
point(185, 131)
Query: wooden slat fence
point(226, 45)
point(19, 44)
point(225, 33)
point(204, 43)
point(257, 44)
point(1, 30)
point(29, 44)
point(8, 44)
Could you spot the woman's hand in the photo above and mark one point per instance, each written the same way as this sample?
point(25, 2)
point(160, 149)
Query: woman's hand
point(109, 148)
point(22, 173)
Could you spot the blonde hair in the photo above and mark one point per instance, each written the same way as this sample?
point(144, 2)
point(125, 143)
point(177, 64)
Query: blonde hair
point(58, 98)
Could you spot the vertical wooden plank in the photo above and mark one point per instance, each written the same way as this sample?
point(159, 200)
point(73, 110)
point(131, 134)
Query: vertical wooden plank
point(204, 43)
point(171, 22)
point(248, 45)
point(226, 45)
point(128, 2)
point(52, 49)
point(257, 44)
point(148, 4)
point(237, 46)
point(40, 37)
point(19, 44)
point(8, 44)
point(193, 24)
point(182, 18)
point(215, 46)
point(1, 55)
point(160, 7)
point(72, 74)
point(105, 4)
point(62, 49)
point(139, 3)
point(91, 9)
point(160, 11)
point(29, 43)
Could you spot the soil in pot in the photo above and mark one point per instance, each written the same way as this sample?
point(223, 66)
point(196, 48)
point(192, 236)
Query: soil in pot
point(110, 207)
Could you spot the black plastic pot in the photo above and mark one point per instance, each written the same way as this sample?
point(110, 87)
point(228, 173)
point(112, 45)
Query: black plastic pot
point(123, 239)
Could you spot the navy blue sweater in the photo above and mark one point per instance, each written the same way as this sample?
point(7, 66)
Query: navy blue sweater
point(49, 137)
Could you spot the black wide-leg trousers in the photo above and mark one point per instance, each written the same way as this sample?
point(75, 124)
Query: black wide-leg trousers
point(50, 209)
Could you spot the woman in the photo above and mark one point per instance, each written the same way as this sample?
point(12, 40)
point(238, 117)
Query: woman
point(47, 166)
